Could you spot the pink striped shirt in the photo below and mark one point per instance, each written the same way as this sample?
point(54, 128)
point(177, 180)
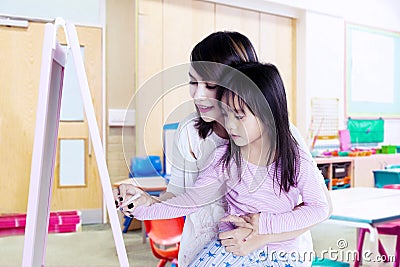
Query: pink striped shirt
point(255, 192)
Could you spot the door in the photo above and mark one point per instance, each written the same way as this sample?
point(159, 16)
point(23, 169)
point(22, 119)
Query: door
point(76, 182)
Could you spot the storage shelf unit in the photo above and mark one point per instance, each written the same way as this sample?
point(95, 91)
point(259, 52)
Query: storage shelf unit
point(359, 169)
point(337, 171)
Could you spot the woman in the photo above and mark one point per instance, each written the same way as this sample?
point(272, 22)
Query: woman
point(199, 134)
point(197, 137)
point(261, 170)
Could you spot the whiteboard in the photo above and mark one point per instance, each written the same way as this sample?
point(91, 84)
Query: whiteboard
point(45, 140)
point(372, 72)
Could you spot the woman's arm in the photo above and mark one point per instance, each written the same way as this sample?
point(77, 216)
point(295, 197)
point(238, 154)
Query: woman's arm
point(183, 159)
point(245, 238)
point(176, 159)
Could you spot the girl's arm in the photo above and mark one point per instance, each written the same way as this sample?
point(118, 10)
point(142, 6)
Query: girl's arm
point(317, 203)
point(251, 222)
point(208, 188)
point(181, 205)
point(245, 239)
point(317, 206)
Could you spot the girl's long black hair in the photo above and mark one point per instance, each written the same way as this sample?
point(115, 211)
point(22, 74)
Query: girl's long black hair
point(224, 47)
point(260, 87)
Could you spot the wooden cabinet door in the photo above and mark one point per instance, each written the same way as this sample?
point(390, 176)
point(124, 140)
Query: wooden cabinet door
point(364, 166)
point(168, 31)
point(20, 59)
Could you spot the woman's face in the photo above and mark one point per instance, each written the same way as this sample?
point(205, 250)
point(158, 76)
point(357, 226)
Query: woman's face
point(204, 94)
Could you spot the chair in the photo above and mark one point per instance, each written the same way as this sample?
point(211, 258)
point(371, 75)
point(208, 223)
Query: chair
point(387, 176)
point(165, 236)
point(388, 179)
point(392, 186)
point(151, 165)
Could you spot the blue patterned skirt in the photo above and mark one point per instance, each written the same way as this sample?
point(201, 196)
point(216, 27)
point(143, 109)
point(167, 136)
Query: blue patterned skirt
point(214, 254)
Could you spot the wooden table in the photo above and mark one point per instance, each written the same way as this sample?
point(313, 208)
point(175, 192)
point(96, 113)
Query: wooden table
point(148, 184)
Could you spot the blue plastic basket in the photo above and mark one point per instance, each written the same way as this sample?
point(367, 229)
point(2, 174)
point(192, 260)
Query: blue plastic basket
point(328, 262)
point(342, 186)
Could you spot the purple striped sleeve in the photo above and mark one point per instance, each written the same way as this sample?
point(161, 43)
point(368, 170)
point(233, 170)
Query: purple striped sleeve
point(315, 209)
point(208, 188)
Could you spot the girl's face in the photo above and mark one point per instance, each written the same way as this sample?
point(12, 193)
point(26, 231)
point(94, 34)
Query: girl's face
point(243, 127)
point(204, 94)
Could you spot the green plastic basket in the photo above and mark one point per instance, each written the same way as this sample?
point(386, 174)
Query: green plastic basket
point(366, 131)
point(389, 149)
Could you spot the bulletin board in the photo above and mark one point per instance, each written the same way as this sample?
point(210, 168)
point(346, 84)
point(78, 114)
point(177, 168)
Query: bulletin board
point(372, 74)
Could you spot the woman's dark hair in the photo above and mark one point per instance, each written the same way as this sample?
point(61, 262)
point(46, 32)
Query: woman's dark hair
point(226, 48)
point(260, 87)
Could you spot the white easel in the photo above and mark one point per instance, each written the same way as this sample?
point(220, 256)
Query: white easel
point(44, 148)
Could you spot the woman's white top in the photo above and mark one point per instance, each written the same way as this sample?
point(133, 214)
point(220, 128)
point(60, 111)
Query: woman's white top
point(190, 155)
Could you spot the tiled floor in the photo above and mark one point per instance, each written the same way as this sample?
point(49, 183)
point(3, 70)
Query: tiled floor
point(94, 246)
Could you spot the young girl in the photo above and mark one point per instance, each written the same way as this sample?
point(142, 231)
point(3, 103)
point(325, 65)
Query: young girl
point(262, 170)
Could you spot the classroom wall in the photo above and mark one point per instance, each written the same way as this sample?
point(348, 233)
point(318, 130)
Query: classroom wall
point(324, 53)
point(324, 64)
point(320, 40)
point(88, 12)
point(162, 22)
point(117, 17)
point(120, 81)
point(320, 46)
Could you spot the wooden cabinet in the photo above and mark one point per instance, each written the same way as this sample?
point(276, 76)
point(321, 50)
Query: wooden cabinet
point(359, 170)
point(363, 167)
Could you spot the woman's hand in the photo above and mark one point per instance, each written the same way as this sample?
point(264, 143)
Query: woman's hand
point(242, 240)
point(124, 192)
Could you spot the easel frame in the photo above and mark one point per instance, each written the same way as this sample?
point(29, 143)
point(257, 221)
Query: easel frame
point(45, 140)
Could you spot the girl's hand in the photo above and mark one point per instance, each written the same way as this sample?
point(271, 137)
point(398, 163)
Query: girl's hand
point(124, 192)
point(242, 240)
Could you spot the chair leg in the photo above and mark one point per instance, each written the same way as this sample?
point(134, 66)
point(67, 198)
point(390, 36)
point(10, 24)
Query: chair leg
point(162, 263)
point(127, 223)
point(174, 263)
point(360, 244)
point(397, 253)
point(382, 251)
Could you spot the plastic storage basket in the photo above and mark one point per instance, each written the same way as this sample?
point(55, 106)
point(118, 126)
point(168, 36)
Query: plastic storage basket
point(385, 177)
